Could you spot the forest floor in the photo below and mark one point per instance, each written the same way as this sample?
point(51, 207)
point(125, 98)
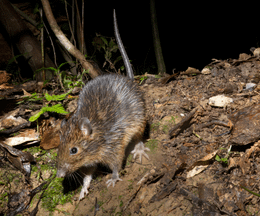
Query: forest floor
point(204, 155)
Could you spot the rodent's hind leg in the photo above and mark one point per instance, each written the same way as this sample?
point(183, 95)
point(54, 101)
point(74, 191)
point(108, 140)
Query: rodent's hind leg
point(86, 183)
point(114, 179)
point(140, 151)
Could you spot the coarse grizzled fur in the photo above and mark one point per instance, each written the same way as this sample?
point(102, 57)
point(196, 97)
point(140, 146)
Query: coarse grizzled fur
point(114, 106)
point(109, 116)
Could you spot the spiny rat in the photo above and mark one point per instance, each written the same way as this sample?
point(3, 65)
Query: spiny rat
point(109, 116)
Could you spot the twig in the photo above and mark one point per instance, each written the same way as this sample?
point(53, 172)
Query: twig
point(133, 196)
point(184, 124)
point(15, 129)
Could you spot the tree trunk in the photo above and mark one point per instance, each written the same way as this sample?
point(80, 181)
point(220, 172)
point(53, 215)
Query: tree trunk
point(156, 40)
point(94, 71)
point(23, 39)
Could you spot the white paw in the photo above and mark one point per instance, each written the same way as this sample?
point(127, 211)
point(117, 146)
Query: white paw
point(113, 181)
point(140, 151)
point(83, 192)
point(86, 182)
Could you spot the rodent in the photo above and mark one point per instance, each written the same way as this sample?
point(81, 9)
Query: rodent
point(110, 114)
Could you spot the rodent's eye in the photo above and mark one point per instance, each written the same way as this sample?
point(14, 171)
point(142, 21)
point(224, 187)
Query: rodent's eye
point(73, 150)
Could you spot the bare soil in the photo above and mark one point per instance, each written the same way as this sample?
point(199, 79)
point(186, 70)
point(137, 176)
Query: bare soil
point(203, 158)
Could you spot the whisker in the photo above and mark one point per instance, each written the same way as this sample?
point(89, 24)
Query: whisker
point(74, 178)
point(76, 175)
point(79, 174)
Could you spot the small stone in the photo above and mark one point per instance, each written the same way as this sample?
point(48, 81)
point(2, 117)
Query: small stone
point(256, 52)
point(220, 101)
point(206, 71)
point(152, 171)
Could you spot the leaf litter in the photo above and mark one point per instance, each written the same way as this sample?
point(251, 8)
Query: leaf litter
point(205, 158)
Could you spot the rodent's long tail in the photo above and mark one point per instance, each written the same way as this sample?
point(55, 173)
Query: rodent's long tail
point(121, 47)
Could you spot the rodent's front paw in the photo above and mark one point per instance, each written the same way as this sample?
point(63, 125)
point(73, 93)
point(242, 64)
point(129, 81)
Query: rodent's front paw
point(82, 193)
point(140, 151)
point(113, 181)
point(86, 182)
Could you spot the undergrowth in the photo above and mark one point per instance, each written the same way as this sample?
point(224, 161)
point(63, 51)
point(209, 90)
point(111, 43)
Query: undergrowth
point(58, 108)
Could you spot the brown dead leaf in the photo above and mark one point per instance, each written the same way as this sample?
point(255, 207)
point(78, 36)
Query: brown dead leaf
point(246, 127)
point(200, 165)
point(18, 202)
point(20, 160)
point(4, 77)
point(26, 94)
point(30, 136)
point(5, 86)
point(50, 137)
point(189, 144)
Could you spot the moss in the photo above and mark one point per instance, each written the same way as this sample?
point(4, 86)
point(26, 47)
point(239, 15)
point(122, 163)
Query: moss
point(45, 167)
point(164, 125)
point(172, 121)
point(54, 195)
point(34, 169)
point(10, 177)
point(165, 128)
point(155, 126)
point(53, 154)
point(130, 186)
point(168, 124)
point(129, 159)
point(121, 203)
point(152, 144)
point(103, 191)
point(3, 199)
point(43, 154)
point(34, 150)
point(100, 203)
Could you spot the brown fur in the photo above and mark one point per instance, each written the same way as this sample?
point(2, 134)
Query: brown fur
point(115, 109)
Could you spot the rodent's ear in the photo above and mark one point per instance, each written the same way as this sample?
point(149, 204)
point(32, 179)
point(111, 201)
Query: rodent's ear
point(85, 126)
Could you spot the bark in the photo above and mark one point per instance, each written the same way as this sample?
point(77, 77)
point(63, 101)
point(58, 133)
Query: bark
point(93, 70)
point(23, 39)
point(156, 40)
point(80, 28)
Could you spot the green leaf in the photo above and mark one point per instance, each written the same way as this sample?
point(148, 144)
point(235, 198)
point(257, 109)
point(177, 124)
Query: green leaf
point(64, 64)
point(104, 40)
point(118, 59)
point(114, 49)
point(48, 97)
point(36, 116)
point(49, 68)
point(85, 71)
point(252, 192)
point(14, 58)
point(55, 97)
point(224, 160)
point(142, 79)
point(58, 108)
point(112, 44)
point(218, 158)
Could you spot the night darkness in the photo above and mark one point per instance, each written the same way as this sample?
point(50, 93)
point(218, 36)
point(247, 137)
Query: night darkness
point(191, 34)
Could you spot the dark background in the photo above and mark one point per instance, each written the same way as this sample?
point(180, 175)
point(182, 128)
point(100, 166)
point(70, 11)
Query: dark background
point(191, 33)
